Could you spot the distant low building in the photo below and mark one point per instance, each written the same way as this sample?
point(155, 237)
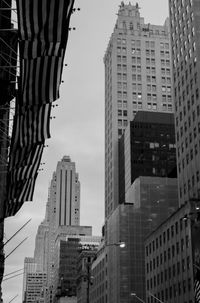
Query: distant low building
point(99, 286)
point(69, 241)
point(34, 283)
point(85, 278)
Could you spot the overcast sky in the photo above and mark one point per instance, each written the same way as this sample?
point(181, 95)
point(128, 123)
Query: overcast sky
point(78, 129)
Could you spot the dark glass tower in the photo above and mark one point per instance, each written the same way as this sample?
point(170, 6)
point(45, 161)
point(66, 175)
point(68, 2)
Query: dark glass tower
point(147, 148)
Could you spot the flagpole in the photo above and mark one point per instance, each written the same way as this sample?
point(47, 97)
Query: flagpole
point(16, 247)
point(16, 232)
point(13, 299)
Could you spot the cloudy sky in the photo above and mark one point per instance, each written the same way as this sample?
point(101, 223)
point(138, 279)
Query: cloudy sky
point(78, 129)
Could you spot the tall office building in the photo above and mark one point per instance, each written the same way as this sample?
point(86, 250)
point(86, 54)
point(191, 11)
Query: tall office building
point(137, 77)
point(62, 218)
point(50, 216)
point(63, 208)
point(185, 40)
point(67, 193)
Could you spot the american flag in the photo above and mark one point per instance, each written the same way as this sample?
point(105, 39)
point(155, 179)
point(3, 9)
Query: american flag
point(28, 168)
point(19, 193)
point(44, 20)
point(43, 33)
point(197, 285)
point(35, 48)
point(33, 125)
point(40, 80)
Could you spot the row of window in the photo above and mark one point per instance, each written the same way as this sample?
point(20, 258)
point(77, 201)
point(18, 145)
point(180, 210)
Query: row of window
point(168, 235)
point(138, 96)
point(138, 87)
point(190, 184)
point(139, 105)
point(173, 291)
point(164, 72)
point(137, 51)
point(149, 61)
point(168, 255)
point(168, 273)
point(148, 44)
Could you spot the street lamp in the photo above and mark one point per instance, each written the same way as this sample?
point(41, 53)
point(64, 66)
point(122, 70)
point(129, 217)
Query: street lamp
point(120, 244)
point(133, 294)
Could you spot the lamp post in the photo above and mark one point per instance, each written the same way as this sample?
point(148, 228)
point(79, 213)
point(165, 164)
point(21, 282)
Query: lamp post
point(155, 297)
point(133, 294)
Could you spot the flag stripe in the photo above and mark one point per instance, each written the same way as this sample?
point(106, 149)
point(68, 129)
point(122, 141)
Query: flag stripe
point(35, 48)
point(43, 20)
point(22, 191)
point(23, 156)
point(41, 80)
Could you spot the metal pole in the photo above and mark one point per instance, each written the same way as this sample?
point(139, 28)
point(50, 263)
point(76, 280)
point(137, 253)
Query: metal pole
point(7, 9)
point(134, 295)
point(16, 247)
point(16, 232)
point(88, 282)
point(155, 297)
point(13, 298)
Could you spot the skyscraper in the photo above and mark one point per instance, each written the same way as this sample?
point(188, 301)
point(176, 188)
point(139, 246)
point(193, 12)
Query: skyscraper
point(61, 220)
point(67, 193)
point(137, 77)
point(51, 219)
point(63, 209)
point(185, 39)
